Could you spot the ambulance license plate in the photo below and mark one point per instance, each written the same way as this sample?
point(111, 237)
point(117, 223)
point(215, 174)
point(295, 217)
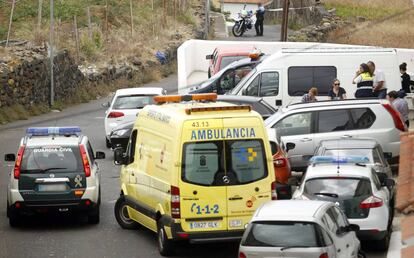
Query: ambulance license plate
point(204, 224)
point(52, 187)
point(235, 223)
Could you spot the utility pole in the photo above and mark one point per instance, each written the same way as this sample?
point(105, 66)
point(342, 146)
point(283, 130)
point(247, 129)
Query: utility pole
point(283, 32)
point(10, 23)
point(52, 30)
point(39, 15)
point(207, 16)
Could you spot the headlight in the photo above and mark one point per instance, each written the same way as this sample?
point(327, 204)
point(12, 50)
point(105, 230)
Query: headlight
point(122, 132)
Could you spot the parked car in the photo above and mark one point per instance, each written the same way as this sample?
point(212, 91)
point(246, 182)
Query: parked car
point(119, 136)
point(282, 171)
point(307, 124)
point(228, 77)
point(226, 54)
point(362, 195)
point(125, 105)
point(257, 104)
point(369, 148)
point(293, 228)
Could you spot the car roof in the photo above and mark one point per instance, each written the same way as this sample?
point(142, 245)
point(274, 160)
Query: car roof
point(140, 90)
point(246, 61)
point(331, 170)
point(234, 48)
point(289, 210)
point(60, 140)
point(245, 99)
point(358, 143)
point(328, 103)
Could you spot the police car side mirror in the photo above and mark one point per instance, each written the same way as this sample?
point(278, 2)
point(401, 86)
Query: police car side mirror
point(9, 157)
point(100, 155)
point(119, 157)
point(290, 146)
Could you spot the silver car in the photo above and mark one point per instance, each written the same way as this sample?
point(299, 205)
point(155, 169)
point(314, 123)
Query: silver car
point(369, 148)
point(298, 228)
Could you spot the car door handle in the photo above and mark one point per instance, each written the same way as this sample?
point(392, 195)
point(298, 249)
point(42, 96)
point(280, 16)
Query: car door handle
point(305, 139)
point(346, 136)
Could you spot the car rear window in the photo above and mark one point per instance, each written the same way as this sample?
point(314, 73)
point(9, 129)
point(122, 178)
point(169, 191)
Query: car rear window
point(132, 101)
point(48, 158)
point(282, 234)
point(369, 153)
point(226, 60)
point(224, 162)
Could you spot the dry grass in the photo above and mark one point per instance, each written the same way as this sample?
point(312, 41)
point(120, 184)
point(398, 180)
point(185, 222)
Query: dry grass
point(371, 3)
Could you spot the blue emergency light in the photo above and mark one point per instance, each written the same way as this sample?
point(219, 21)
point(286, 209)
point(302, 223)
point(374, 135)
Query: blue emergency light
point(339, 160)
point(45, 131)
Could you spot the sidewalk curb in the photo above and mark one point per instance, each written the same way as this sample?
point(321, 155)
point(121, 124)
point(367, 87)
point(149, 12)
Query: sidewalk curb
point(394, 250)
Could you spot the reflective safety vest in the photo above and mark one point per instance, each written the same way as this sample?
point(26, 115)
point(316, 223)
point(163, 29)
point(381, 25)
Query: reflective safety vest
point(367, 82)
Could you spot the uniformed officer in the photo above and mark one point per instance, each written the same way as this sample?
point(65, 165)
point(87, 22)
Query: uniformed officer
point(364, 81)
point(259, 20)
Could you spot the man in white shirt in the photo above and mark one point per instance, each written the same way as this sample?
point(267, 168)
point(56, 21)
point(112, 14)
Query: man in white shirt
point(380, 88)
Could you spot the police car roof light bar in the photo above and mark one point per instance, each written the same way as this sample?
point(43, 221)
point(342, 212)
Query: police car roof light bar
point(339, 160)
point(45, 131)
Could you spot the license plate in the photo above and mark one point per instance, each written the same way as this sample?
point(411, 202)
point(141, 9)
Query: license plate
point(52, 188)
point(235, 223)
point(204, 224)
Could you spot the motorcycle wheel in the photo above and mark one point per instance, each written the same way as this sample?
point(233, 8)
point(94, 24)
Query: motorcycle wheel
point(237, 30)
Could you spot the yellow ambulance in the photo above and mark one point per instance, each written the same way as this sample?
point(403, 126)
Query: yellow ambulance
point(194, 169)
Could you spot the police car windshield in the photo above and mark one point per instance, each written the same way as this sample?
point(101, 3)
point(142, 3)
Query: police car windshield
point(132, 101)
point(51, 158)
point(228, 162)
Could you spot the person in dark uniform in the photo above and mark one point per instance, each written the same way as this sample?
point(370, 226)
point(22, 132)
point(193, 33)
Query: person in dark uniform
point(259, 20)
point(405, 78)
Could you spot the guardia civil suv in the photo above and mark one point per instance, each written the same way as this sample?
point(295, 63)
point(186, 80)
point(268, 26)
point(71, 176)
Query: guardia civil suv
point(54, 171)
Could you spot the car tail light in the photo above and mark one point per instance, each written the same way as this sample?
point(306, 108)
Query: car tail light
point(85, 161)
point(280, 162)
point(274, 194)
point(115, 114)
point(371, 202)
point(18, 163)
point(398, 122)
point(242, 255)
point(324, 255)
point(175, 202)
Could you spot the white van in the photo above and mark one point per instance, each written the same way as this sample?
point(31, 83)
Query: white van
point(284, 77)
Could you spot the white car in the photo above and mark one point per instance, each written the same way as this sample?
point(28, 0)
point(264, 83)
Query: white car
point(356, 189)
point(307, 124)
point(125, 106)
point(295, 228)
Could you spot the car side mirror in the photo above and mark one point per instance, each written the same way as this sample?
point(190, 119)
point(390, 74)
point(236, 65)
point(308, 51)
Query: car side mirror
point(290, 146)
point(293, 181)
point(208, 57)
point(10, 157)
point(100, 155)
point(273, 147)
point(119, 157)
point(106, 104)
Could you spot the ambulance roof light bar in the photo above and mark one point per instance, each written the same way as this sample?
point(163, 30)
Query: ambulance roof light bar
point(179, 98)
point(188, 111)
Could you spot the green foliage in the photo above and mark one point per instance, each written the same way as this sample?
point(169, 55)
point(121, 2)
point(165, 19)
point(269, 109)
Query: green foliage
point(294, 24)
point(91, 47)
point(3, 32)
point(372, 13)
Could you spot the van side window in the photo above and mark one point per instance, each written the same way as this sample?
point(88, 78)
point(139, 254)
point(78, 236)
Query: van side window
point(269, 84)
point(300, 79)
point(130, 151)
point(253, 88)
point(334, 120)
point(363, 117)
point(295, 124)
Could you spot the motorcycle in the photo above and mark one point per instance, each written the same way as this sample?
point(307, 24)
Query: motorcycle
point(243, 23)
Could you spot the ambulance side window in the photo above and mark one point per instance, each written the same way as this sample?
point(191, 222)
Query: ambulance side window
point(130, 151)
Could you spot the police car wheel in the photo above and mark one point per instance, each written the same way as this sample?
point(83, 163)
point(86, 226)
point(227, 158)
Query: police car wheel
point(14, 218)
point(94, 217)
point(122, 216)
point(165, 246)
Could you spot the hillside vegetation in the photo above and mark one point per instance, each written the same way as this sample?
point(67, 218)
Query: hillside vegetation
point(386, 23)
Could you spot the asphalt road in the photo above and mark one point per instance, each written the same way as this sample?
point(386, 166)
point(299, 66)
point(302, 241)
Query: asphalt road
point(65, 236)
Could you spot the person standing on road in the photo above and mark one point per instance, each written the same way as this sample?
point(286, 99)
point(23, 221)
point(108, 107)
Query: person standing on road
point(400, 105)
point(337, 92)
point(310, 96)
point(405, 78)
point(259, 20)
point(364, 81)
point(380, 88)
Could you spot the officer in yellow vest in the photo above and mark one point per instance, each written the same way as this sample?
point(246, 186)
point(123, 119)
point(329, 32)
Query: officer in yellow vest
point(364, 81)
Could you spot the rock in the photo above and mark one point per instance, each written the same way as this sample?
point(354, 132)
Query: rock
point(135, 61)
point(361, 19)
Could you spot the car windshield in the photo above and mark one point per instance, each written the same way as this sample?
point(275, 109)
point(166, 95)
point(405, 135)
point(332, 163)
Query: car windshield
point(353, 152)
point(242, 82)
point(133, 101)
point(213, 78)
point(56, 158)
point(226, 60)
point(227, 162)
point(282, 234)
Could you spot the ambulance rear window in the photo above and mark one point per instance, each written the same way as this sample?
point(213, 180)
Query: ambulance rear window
point(229, 162)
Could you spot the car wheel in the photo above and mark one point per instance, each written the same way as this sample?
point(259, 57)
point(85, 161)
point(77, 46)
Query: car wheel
point(94, 217)
point(108, 143)
point(383, 244)
point(14, 218)
point(165, 245)
point(122, 216)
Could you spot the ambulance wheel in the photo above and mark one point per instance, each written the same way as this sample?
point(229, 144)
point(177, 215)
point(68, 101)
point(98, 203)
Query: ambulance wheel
point(122, 216)
point(165, 245)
